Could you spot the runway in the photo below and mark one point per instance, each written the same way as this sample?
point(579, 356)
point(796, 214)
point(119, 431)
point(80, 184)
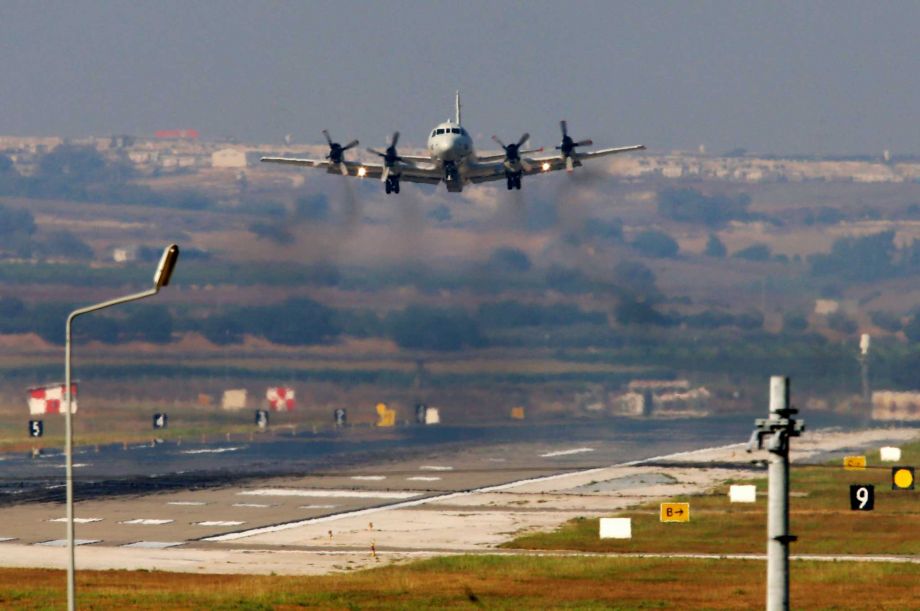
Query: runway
point(440, 498)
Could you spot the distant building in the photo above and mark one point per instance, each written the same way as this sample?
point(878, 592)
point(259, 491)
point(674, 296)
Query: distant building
point(124, 254)
point(229, 158)
point(898, 406)
point(662, 399)
point(234, 399)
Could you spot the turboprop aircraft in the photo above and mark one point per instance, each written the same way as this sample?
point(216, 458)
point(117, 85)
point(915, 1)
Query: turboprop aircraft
point(451, 159)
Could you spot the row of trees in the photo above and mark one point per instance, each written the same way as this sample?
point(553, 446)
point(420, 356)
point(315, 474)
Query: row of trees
point(81, 173)
point(20, 239)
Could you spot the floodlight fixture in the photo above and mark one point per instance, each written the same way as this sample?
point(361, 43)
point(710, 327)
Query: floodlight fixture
point(166, 266)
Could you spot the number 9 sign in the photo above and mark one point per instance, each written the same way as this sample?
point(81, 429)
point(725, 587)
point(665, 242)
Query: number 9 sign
point(862, 497)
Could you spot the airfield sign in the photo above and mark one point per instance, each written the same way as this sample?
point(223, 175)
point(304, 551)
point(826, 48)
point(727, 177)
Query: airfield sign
point(902, 478)
point(862, 497)
point(854, 463)
point(36, 428)
point(675, 512)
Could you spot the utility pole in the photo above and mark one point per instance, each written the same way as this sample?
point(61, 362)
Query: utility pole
point(864, 342)
point(777, 429)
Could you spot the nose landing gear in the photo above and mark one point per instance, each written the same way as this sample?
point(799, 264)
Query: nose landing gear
point(513, 181)
point(391, 185)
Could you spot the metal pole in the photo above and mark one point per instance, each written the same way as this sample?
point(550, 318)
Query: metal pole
point(778, 429)
point(778, 503)
point(68, 457)
point(68, 434)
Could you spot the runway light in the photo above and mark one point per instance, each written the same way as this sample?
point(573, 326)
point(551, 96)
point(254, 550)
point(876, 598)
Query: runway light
point(362, 172)
point(545, 166)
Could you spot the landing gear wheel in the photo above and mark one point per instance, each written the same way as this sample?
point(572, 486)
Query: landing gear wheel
point(510, 181)
point(395, 186)
point(387, 187)
point(517, 183)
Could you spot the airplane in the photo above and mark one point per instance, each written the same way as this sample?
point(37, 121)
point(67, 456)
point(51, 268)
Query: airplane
point(452, 159)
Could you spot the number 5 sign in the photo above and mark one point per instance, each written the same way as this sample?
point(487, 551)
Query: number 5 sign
point(862, 497)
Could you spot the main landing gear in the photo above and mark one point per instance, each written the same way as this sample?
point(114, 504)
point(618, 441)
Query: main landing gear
point(391, 185)
point(513, 181)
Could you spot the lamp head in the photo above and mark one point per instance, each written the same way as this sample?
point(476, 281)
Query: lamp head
point(166, 266)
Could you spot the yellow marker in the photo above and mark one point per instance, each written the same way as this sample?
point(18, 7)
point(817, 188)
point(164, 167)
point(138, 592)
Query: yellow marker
point(517, 413)
point(675, 512)
point(902, 478)
point(854, 463)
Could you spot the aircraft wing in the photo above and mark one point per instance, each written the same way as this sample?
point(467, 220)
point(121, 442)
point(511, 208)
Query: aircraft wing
point(551, 163)
point(312, 163)
point(408, 171)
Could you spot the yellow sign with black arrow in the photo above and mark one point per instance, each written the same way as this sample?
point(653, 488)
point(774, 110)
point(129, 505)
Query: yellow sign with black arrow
point(854, 463)
point(675, 512)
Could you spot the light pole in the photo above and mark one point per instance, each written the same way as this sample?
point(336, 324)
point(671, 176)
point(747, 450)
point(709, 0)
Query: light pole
point(160, 279)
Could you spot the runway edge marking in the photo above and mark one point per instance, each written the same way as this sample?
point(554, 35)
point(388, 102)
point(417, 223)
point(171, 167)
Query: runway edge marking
point(445, 497)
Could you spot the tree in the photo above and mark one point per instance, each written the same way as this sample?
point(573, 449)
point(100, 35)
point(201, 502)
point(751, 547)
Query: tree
point(653, 243)
point(754, 252)
point(296, 322)
point(631, 311)
point(794, 322)
point(912, 329)
point(424, 328)
point(691, 206)
point(65, 245)
point(636, 277)
point(840, 322)
point(857, 258)
point(14, 221)
point(715, 247)
point(886, 320)
point(510, 260)
point(150, 323)
point(604, 230)
point(222, 329)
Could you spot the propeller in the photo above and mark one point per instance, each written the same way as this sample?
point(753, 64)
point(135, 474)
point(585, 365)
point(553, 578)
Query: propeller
point(568, 146)
point(337, 152)
point(513, 153)
point(390, 156)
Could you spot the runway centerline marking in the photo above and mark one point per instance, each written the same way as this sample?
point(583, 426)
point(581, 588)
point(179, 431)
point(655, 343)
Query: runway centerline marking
point(435, 468)
point(253, 505)
point(566, 452)
point(188, 503)
point(212, 450)
point(369, 478)
point(63, 542)
point(154, 544)
point(147, 522)
point(78, 520)
point(219, 523)
point(330, 493)
point(420, 478)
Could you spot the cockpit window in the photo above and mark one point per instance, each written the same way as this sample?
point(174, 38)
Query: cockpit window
point(439, 131)
point(433, 132)
point(454, 130)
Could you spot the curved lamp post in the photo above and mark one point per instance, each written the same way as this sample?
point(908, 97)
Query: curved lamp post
point(160, 279)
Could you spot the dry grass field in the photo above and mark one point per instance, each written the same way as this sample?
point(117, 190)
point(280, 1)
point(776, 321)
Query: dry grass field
point(820, 516)
point(481, 581)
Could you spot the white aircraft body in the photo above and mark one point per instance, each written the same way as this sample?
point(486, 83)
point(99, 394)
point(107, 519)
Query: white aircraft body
point(452, 159)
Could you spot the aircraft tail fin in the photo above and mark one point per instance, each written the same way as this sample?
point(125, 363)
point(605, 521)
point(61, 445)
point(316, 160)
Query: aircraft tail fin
point(458, 107)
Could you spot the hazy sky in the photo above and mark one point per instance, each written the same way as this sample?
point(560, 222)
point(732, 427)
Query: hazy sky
point(840, 77)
